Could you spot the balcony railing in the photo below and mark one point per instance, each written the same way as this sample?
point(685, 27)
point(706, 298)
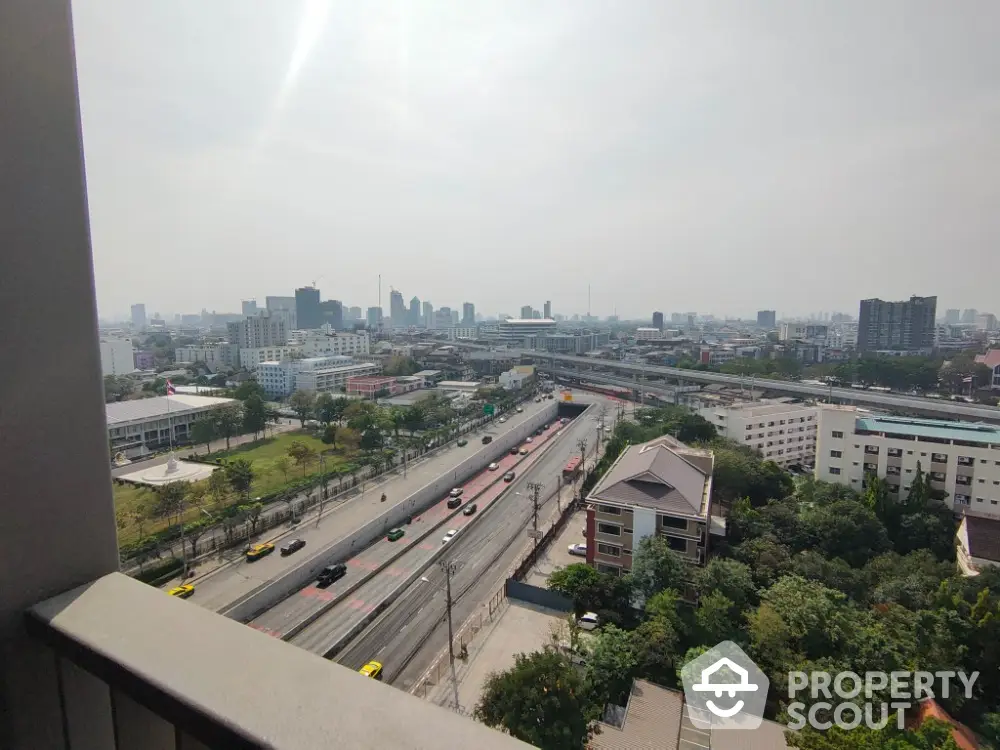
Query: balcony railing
point(158, 672)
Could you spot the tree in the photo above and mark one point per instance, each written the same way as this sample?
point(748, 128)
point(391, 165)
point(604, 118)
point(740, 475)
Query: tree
point(930, 735)
point(240, 475)
point(656, 650)
point(324, 408)
point(717, 618)
point(253, 511)
point(730, 578)
point(302, 455)
point(116, 388)
point(399, 365)
point(282, 465)
point(541, 700)
point(228, 420)
point(218, 488)
point(330, 435)
point(301, 402)
point(847, 529)
point(249, 389)
point(170, 501)
point(254, 415)
point(204, 430)
point(611, 665)
point(656, 567)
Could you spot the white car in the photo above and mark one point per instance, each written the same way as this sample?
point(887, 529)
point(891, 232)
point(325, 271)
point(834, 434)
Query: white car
point(457, 492)
point(503, 419)
point(450, 535)
point(580, 550)
point(587, 621)
point(493, 467)
point(528, 440)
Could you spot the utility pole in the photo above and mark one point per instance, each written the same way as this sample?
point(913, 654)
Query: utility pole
point(449, 569)
point(536, 488)
point(582, 445)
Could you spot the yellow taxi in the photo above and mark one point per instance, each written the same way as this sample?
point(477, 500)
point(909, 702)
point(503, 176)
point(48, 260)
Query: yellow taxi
point(181, 592)
point(372, 669)
point(259, 550)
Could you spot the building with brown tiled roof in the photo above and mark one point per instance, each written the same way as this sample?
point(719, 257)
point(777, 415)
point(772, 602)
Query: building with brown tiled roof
point(992, 360)
point(978, 543)
point(661, 487)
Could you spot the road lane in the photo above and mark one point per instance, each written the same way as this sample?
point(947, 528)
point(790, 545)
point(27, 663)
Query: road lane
point(336, 623)
point(227, 584)
point(409, 634)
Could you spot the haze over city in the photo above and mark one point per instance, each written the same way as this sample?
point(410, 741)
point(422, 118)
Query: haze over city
point(674, 156)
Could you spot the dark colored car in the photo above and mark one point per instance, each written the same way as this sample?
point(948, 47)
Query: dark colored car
point(509, 476)
point(292, 546)
point(331, 573)
point(539, 431)
point(487, 439)
point(469, 509)
point(513, 451)
point(454, 502)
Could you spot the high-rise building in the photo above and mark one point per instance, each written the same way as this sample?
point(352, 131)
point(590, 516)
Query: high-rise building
point(138, 316)
point(374, 317)
point(657, 320)
point(986, 322)
point(428, 315)
point(468, 314)
point(442, 318)
point(354, 312)
point(901, 326)
point(332, 312)
point(249, 306)
point(766, 319)
point(548, 310)
point(259, 331)
point(455, 317)
point(526, 312)
point(414, 317)
point(283, 307)
point(397, 309)
point(307, 312)
point(952, 316)
point(969, 316)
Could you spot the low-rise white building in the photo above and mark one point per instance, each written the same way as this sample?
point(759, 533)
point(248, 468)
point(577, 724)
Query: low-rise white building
point(215, 357)
point(319, 343)
point(959, 458)
point(319, 374)
point(517, 377)
point(138, 427)
point(117, 357)
point(779, 432)
point(250, 358)
point(643, 334)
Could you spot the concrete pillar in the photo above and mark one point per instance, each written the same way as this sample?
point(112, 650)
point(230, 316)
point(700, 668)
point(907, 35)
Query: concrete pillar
point(58, 522)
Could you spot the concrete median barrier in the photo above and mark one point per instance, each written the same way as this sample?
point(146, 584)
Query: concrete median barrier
point(269, 594)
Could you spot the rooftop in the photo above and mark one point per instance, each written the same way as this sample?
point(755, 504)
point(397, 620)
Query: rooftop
point(983, 537)
point(663, 474)
point(159, 406)
point(763, 410)
point(525, 321)
point(972, 432)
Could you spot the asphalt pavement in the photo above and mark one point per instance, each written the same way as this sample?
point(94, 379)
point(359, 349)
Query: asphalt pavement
point(225, 585)
point(336, 624)
point(411, 631)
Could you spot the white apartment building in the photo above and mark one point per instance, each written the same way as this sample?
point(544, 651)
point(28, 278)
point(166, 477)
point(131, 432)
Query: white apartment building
point(259, 331)
point(644, 334)
point(329, 373)
point(116, 356)
point(783, 433)
point(960, 458)
point(463, 332)
point(216, 357)
point(251, 357)
point(320, 343)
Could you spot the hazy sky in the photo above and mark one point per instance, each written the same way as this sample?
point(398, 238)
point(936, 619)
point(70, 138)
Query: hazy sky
point(711, 156)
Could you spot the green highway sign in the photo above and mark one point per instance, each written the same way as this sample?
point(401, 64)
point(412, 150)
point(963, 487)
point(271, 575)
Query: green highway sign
point(489, 409)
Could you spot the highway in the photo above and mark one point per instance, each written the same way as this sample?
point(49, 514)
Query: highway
point(940, 408)
point(410, 633)
point(404, 558)
point(225, 585)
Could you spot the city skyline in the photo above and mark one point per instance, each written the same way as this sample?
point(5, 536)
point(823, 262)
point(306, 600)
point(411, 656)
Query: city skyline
point(533, 151)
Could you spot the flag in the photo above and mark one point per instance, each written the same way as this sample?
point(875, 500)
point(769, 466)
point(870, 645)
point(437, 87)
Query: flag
point(170, 389)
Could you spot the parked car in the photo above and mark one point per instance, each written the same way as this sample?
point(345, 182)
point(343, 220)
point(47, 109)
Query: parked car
point(487, 439)
point(546, 427)
point(580, 550)
point(523, 451)
point(372, 670)
point(470, 509)
point(588, 621)
point(493, 466)
point(258, 551)
point(181, 592)
point(509, 476)
point(513, 451)
point(457, 491)
point(538, 400)
point(454, 502)
point(462, 443)
point(528, 439)
point(539, 431)
point(331, 573)
point(519, 410)
point(449, 536)
point(292, 546)
point(503, 419)
point(395, 535)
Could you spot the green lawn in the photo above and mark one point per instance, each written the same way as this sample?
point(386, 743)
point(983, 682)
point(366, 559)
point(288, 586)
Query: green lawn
point(267, 479)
